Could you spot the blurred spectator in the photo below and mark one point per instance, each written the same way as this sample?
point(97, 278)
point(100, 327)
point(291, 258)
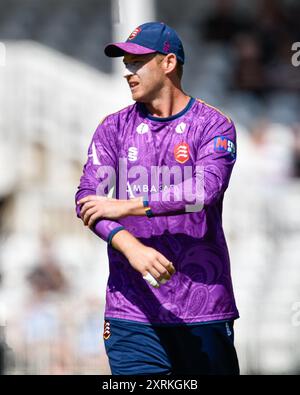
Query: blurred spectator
point(271, 24)
point(281, 73)
point(46, 278)
point(90, 343)
point(293, 18)
point(262, 45)
point(224, 22)
point(274, 146)
point(53, 332)
point(42, 321)
point(249, 73)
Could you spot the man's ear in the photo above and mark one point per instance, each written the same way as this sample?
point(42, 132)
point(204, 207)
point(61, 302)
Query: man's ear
point(170, 63)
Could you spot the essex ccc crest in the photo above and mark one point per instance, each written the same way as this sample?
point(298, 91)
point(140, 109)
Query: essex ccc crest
point(106, 332)
point(181, 153)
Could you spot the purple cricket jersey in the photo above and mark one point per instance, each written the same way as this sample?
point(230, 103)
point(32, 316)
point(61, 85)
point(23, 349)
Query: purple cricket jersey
point(201, 140)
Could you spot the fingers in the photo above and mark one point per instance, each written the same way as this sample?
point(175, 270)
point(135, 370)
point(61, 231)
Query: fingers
point(90, 206)
point(160, 272)
point(155, 273)
point(151, 280)
point(93, 218)
point(154, 278)
point(86, 206)
point(88, 202)
point(91, 198)
point(89, 214)
point(85, 214)
point(163, 273)
point(168, 265)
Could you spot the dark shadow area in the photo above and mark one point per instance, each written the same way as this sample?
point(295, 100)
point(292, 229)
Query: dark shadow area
point(78, 28)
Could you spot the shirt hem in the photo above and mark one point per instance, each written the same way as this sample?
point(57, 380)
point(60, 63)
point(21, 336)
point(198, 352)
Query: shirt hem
point(194, 320)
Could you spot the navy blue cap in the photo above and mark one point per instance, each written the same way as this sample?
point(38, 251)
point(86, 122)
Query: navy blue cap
point(148, 38)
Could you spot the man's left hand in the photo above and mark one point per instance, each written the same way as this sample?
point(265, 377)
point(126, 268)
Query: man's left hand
point(95, 207)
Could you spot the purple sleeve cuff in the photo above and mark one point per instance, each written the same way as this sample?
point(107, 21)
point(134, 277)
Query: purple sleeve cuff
point(105, 228)
point(113, 232)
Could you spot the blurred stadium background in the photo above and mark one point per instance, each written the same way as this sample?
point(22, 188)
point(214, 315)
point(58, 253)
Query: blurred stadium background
point(56, 85)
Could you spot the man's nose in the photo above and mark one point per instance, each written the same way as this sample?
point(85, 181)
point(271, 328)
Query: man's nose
point(128, 71)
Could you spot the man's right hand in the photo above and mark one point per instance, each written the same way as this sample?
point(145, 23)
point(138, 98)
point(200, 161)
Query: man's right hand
point(142, 258)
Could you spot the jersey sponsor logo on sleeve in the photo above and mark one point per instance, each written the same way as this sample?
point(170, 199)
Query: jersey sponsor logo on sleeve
point(134, 33)
point(181, 153)
point(224, 144)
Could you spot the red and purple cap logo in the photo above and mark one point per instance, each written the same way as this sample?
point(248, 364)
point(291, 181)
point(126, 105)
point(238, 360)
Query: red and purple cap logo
point(134, 33)
point(148, 38)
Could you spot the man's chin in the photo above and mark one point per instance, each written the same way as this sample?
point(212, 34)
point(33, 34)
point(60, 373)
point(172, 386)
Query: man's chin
point(137, 98)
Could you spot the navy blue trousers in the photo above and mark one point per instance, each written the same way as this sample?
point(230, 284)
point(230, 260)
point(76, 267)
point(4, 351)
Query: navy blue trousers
point(141, 349)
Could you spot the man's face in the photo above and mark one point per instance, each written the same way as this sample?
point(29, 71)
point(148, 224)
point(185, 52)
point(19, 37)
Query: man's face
point(144, 75)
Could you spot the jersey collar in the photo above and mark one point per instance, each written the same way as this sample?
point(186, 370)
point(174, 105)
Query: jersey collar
point(172, 117)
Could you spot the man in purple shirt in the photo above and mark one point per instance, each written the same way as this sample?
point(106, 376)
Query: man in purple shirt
point(169, 302)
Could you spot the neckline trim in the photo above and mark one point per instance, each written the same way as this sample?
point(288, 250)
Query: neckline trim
point(175, 116)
